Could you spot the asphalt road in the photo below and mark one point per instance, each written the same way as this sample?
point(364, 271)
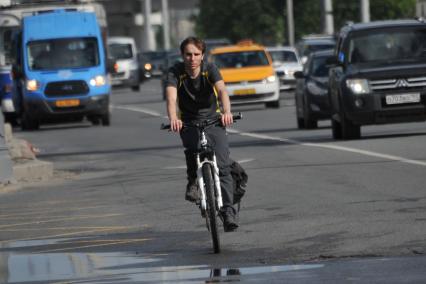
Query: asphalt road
point(317, 210)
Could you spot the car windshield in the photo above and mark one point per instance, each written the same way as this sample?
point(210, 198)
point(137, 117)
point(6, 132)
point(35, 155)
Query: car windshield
point(388, 45)
point(240, 59)
point(63, 53)
point(6, 34)
point(154, 55)
point(120, 51)
point(283, 56)
point(319, 67)
point(317, 47)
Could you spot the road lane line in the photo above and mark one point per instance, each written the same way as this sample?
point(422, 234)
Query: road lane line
point(97, 245)
point(59, 219)
point(96, 230)
point(368, 153)
point(139, 109)
point(295, 142)
point(333, 147)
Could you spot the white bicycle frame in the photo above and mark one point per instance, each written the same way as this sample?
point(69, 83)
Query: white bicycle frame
point(200, 179)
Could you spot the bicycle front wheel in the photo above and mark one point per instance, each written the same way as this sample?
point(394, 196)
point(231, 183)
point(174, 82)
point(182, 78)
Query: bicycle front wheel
point(211, 216)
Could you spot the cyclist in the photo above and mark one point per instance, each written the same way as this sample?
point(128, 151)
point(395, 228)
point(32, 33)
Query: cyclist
point(194, 89)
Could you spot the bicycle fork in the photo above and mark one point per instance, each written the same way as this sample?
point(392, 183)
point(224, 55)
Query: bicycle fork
point(200, 179)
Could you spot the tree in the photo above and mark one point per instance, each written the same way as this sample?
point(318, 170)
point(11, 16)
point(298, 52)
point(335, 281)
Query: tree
point(261, 21)
point(264, 21)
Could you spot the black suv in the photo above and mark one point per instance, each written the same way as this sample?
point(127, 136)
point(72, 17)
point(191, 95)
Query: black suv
point(378, 76)
point(314, 43)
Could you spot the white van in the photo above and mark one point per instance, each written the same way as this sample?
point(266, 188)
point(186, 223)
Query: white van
point(123, 51)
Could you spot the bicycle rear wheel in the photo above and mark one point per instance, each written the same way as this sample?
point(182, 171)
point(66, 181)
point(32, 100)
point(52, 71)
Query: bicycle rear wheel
point(211, 216)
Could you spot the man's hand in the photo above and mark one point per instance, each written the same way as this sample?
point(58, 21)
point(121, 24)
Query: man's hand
point(176, 125)
point(227, 119)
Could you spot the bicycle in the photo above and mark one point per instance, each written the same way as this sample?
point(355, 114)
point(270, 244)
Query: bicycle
point(208, 181)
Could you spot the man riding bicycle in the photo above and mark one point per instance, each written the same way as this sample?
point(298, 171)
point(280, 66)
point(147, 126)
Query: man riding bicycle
point(194, 89)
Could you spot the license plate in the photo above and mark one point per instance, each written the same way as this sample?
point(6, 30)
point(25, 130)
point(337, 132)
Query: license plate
point(67, 103)
point(244, 92)
point(403, 98)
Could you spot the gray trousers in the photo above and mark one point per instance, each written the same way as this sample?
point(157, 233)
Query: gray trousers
point(218, 138)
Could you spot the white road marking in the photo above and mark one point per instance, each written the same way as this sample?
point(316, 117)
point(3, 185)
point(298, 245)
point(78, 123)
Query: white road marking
point(139, 109)
point(333, 147)
point(290, 141)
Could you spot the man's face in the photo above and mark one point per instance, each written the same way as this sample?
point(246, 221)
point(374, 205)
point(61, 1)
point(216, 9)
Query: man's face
point(192, 57)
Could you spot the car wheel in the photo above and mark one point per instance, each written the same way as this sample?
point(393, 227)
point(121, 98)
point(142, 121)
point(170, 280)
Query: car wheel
point(136, 88)
point(300, 123)
point(336, 129)
point(94, 119)
point(11, 118)
point(308, 121)
point(274, 104)
point(106, 119)
point(349, 130)
point(299, 117)
point(29, 122)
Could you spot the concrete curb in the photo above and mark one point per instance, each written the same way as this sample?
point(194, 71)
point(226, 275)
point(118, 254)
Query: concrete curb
point(32, 170)
point(26, 167)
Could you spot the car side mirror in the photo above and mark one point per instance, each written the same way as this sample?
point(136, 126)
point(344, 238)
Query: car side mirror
point(17, 72)
point(299, 75)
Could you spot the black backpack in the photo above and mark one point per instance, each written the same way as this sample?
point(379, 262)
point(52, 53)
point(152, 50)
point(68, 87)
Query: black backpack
point(240, 178)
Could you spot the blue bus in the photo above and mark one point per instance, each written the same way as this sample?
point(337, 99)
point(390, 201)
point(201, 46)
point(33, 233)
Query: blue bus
point(59, 64)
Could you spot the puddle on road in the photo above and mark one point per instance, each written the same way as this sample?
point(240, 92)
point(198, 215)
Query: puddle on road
point(16, 267)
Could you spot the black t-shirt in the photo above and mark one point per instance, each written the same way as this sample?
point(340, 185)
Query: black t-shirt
point(197, 98)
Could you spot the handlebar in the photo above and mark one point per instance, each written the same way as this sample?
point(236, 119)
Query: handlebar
point(203, 123)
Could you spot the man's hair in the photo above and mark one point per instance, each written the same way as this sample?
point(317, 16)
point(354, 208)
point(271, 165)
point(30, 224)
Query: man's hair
point(199, 43)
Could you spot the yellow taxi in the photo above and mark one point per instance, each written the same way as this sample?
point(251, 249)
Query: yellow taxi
point(248, 73)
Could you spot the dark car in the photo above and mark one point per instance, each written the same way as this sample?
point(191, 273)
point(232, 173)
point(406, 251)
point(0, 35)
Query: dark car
point(145, 68)
point(312, 102)
point(169, 60)
point(378, 76)
point(314, 43)
point(156, 59)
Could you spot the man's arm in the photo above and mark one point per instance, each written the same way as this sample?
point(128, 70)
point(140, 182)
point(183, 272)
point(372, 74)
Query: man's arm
point(175, 122)
point(226, 103)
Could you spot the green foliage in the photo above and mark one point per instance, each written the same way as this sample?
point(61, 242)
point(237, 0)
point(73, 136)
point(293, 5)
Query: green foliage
point(265, 21)
point(262, 21)
point(392, 9)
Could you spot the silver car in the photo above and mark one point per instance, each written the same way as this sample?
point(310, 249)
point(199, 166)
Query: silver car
point(286, 62)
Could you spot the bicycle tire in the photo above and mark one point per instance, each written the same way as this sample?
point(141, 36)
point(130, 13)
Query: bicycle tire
point(211, 216)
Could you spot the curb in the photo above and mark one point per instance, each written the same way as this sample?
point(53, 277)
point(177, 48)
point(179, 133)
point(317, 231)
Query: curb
point(25, 166)
point(32, 170)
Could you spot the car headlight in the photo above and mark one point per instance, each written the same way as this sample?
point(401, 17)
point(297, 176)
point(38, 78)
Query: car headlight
point(315, 89)
point(358, 86)
point(32, 85)
point(147, 66)
point(98, 81)
point(270, 79)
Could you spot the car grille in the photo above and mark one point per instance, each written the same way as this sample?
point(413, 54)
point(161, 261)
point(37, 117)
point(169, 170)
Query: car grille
point(243, 82)
point(118, 74)
point(250, 97)
point(400, 83)
point(66, 88)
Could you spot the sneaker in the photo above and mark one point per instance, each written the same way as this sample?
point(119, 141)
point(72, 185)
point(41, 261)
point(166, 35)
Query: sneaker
point(229, 221)
point(191, 193)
